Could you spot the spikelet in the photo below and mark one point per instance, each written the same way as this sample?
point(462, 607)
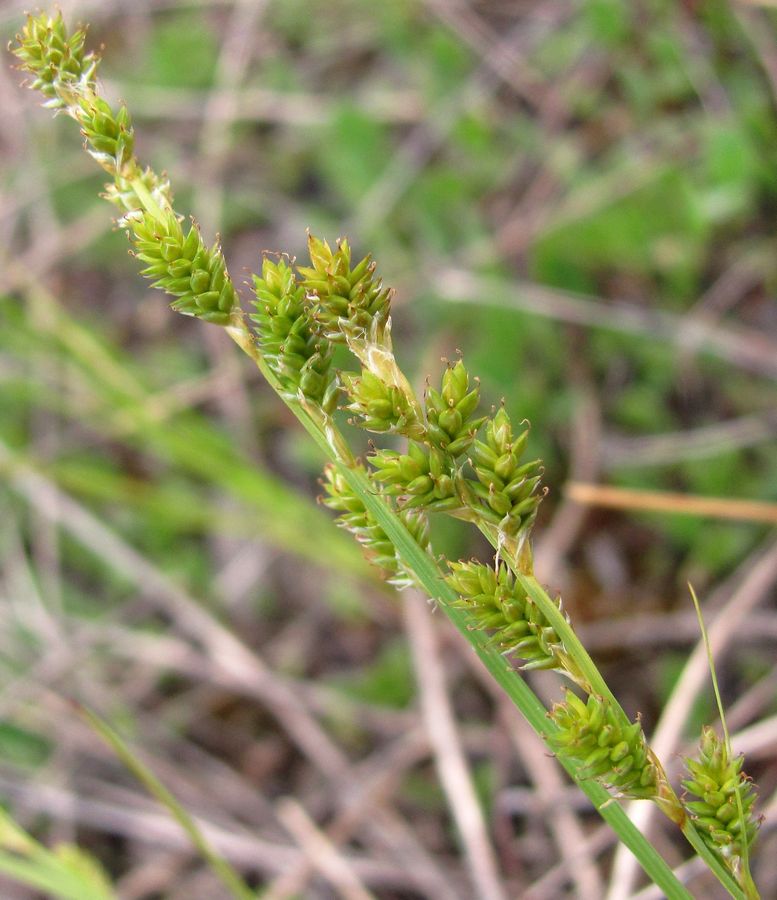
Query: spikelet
point(299, 356)
point(345, 301)
point(500, 606)
point(56, 60)
point(714, 779)
point(377, 547)
point(613, 752)
point(184, 267)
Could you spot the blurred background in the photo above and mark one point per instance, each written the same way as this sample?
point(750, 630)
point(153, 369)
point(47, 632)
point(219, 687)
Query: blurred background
point(582, 199)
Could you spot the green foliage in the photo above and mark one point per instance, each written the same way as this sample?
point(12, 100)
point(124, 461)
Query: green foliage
point(386, 681)
point(608, 21)
point(229, 878)
point(177, 37)
point(656, 227)
point(66, 871)
point(21, 746)
point(185, 456)
point(353, 153)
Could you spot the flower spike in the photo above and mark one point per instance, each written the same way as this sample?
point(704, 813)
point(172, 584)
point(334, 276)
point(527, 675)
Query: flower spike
point(614, 752)
point(714, 779)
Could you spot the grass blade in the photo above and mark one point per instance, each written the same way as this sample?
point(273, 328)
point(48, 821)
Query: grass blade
point(220, 867)
point(64, 872)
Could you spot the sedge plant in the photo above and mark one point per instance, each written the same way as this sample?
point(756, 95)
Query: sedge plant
point(455, 460)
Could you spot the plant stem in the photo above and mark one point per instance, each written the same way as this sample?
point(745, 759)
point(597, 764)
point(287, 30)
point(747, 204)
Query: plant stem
point(431, 579)
point(221, 868)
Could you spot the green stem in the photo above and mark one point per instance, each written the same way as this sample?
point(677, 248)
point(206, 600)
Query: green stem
point(431, 579)
point(220, 867)
point(670, 804)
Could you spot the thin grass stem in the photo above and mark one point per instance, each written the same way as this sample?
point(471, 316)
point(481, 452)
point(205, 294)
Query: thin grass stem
point(218, 864)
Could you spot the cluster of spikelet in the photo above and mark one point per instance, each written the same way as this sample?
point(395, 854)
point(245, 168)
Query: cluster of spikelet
point(179, 263)
point(456, 461)
point(723, 808)
point(517, 625)
point(594, 736)
point(377, 546)
point(299, 354)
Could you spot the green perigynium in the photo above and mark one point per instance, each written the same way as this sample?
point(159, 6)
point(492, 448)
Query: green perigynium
point(714, 779)
point(593, 734)
point(180, 264)
point(450, 426)
point(516, 624)
point(454, 461)
point(505, 486)
point(299, 355)
point(377, 547)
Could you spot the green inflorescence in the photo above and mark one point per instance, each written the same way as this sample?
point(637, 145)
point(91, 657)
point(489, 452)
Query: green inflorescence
point(715, 778)
point(299, 355)
point(377, 547)
point(500, 604)
point(594, 734)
